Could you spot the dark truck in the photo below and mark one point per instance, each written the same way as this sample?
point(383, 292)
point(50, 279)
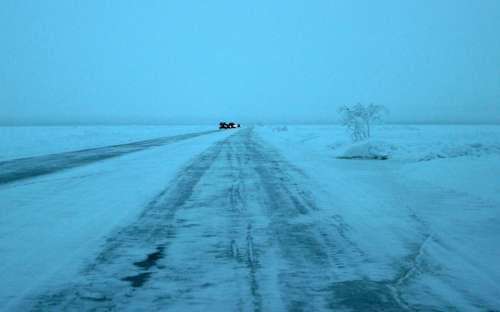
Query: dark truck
point(228, 125)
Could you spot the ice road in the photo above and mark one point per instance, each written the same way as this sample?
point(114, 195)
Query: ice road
point(238, 226)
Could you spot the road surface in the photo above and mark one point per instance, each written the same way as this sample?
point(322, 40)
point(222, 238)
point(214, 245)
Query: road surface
point(239, 228)
point(29, 167)
point(231, 232)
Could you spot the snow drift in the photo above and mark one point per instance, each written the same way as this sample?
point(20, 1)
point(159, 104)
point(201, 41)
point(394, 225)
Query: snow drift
point(424, 151)
point(367, 150)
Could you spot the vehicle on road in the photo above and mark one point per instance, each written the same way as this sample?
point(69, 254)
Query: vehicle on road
point(228, 125)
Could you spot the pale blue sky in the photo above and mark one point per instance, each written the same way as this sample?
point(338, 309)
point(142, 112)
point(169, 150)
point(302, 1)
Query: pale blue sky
point(98, 61)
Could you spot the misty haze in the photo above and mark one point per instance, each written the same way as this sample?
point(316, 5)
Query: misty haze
point(250, 156)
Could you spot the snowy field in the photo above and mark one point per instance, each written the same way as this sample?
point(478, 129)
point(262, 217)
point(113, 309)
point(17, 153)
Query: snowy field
point(269, 218)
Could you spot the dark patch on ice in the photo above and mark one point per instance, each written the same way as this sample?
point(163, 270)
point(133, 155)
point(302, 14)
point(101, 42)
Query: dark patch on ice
point(364, 295)
point(297, 306)
point(209, 235)
point(368, 295)
point(186, 224)
point(93, 296)
point(151, 259)
point(190, 225)
point(206, 285)
point(375, 157)
point(137, 280)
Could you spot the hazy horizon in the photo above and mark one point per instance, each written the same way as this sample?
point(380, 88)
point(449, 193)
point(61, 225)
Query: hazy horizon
point(193, 62)
point(215, 124)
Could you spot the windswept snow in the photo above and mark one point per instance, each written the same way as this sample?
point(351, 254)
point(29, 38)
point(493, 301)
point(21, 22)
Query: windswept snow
point(427, 226)
point(264, 219)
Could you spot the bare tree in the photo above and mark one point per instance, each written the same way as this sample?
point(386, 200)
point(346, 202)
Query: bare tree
point(359, 119)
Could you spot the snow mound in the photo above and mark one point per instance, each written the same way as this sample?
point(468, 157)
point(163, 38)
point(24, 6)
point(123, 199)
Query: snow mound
point(377, 150)
point(381, 150)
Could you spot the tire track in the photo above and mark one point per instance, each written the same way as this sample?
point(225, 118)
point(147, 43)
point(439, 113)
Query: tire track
point(119, 270)
point(305, 250)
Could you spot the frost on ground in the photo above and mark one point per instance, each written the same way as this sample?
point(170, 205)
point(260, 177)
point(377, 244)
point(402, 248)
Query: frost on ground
point(263, 219)
point(427, 218)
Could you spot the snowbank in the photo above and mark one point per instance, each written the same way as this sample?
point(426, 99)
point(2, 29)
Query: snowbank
point(423, 143)
point(417, 152)
point(367, 150)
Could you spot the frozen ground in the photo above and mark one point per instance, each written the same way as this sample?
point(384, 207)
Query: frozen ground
point(263, 219)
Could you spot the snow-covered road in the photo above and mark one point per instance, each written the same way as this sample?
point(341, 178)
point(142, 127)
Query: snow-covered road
point(240, 226)
point(231, 231)
point(29, 167)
